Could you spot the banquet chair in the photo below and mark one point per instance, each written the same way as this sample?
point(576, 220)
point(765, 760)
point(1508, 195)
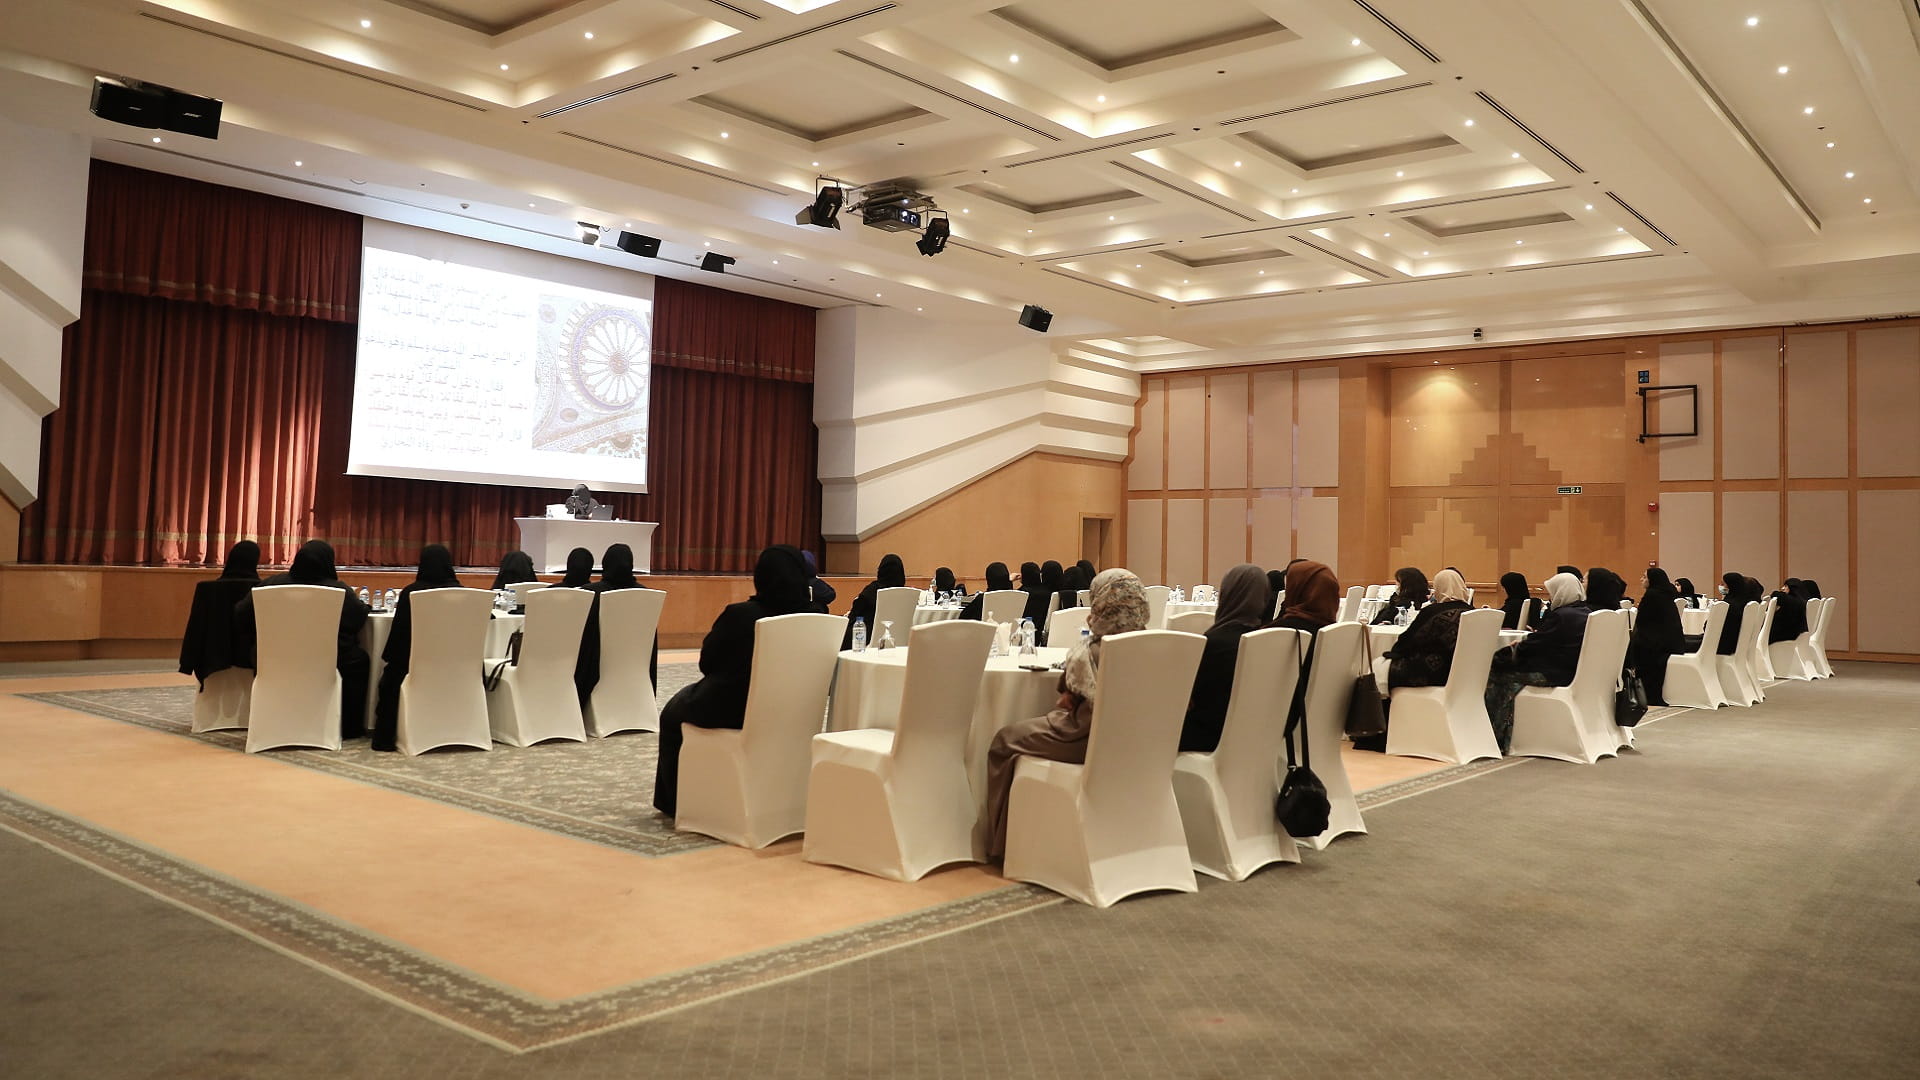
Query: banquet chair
point(1736, 671)
point(895, 605)
point(1226, 796)
point(1053, 605)
point(1191, 622)
point(1350, 606)
point(1762, 660)
point(223, 701)
point(1817, 644)
point(1449, 723)
point(1526, 616)
point(1693, 679)
point(536, 700)
point(1157, 597)
point(1101, 831)
point(1063, 630)
point(1792, 659)
point(623, 699)
point(523, 589)
point(1575, 722)
point(1083, 598)
point(443, 701)
point(1337, 659)
point(1003, 606)
point(296, 684)
point(897, 803)
point(749, 786)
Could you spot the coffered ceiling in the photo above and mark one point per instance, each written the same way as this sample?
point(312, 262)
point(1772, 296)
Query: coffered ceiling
point(1207, 181)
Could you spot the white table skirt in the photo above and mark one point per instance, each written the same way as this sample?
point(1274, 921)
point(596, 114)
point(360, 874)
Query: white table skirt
point(935, 613)
point(1693, 622)
point(1186, 606)
point(373, 638)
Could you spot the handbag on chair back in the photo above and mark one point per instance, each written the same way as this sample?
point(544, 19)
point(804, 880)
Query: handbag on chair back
point(1302, 807)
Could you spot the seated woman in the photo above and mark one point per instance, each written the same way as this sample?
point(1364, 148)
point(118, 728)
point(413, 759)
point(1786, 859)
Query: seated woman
point(1519, 599)
point(943, 581)
point(1313, 597)
point(1656, 635)
point(1688, 593)
point(1244, 603)
point(1789, 612)
point(1410, 592)
point(1733, 588)
point(436, 572)
point(579, 570)
point(516, 567)
point(208, 645)
point(616, 573)
point(314, 566)
point(891, 574)
point(998, 580)
point(823, 594)
point(1423, 653)
point(1118, 606)
point(581, 503)
point(1033, 583)
point(1605, 589)
point(1547, 657)
point(719, 699)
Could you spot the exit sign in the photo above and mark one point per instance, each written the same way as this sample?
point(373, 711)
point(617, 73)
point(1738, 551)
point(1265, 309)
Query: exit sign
point(1566, 490)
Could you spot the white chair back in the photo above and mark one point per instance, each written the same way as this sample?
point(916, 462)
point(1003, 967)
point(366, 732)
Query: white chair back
point(536, 699)
point(623, 699)
point(1191, 622)
point(1336, 662)
point(1473, 649)
point(894, 605)
point(296, 683)
point(945, 664)
point(224, 700)
point(443, 701)
point(1063, 630)
point(1053, 605)
point(1817, 641)
point(1760, 661)
point(1140, 701)
point(524, 589)
point(1157, 596)
point(1526, 614)
point(551, 635)
point(1004, 606)
point(1349, 607)
point(1084, 597)
point(1575, 722)
point(793, 662)
point(1680, 602)
point(1449, 723)
point(1693, 679)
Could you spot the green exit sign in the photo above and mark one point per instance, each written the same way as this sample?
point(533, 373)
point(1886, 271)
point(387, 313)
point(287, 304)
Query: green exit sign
point(1566, 490)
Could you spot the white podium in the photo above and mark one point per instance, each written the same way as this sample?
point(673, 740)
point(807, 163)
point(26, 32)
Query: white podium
point(549, 539)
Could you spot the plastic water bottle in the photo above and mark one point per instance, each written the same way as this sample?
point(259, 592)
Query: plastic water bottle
point(363, 594)
point(1026, 637)
point(993, 648)
point(1086, 635)
point(859, 635)
point(393, 599)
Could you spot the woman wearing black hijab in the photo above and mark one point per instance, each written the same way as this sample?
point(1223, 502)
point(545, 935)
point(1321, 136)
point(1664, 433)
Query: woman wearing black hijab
point(314, 566)
point(436, 572)
point(1033, 583)
point(998, 580)
point(1410, 592)
point(208, 645)
point(1605, 589)
point(944, 581)
point(515, 568)
point(1518, 599)
point(1688, 593)
point(1735, 586)
point(1656, 635)
point(1789, 612)
point(616, 573)
point(719, 699)
point(1245, 602)
point(579, 570)
point(892, 574)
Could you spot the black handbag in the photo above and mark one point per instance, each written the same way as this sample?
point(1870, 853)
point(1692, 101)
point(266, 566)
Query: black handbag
point(1302, 807)
point(1366, 715)
point(1630, 701)
point(491, 680)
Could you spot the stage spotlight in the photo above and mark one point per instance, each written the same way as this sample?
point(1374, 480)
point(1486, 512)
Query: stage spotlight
point(935, 239)
point(716, 262)
point(647, 247)
point(589, 233)
point(824, 211)
point(1035, 317)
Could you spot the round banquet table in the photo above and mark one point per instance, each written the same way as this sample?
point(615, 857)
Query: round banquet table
point(1381, 638)
point(931, 613)
point(869, 685)
point(1693, 621)
point(373, 638)
point(1185, 606)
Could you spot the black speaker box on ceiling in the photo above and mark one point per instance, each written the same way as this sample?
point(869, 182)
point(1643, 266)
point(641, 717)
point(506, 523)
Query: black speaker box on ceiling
point(647, 247)
point(1035, 317)
point(150, 105)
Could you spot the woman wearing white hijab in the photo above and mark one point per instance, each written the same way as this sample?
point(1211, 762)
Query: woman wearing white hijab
point(1547, 657)
point(1118, 605)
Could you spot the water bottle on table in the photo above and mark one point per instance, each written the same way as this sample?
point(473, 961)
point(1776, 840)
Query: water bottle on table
point(1026, 637)
point(859, 635)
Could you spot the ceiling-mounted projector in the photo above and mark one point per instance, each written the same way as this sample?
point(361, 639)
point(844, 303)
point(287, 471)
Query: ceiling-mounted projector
point(893, 205)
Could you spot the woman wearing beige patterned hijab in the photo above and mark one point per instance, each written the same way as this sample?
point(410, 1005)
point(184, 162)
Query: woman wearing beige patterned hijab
point(1117, 605)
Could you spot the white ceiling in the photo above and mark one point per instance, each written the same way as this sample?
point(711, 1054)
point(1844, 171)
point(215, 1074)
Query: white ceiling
point(1202, 182)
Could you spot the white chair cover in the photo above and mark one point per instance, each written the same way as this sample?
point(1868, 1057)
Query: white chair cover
point(894, 605)
point(1794, 659)
point(897, 803)
point(1349, 606)
point(1157, 597)
point(1450, 723)
point(1762, 666)
point(443, 699)
point(1001, 606)
point(1818, 642)
point(1226, 797)
point(1693, 679)
point(224, 700)
point(1053, 605)
point(1337, 661)
point(1083, 597)
point(1736, 671)
point(1575, 722)
point(1191, 622)
point(535, 699)
point(623, 699)
point(1110, 828)
point(296, 685)
point(523, 589)
point(1063, 630)
point(749, 787)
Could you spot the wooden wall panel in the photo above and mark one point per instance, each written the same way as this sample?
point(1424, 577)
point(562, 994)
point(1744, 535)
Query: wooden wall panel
point(1567, 421)
point(1272, 522)
point(1227, 431)
point(1226, 537)
point(1418, 525)
point(1318, 443)
point(1186, 433)
point(1186, 546)
point(1817, 547)
point(1884, 617)
point(1148, 470)
point(1686, 537)
point(1680, 363)
point(1443, 422)
point(1470, 539)
point(1816, 400)
point(1750, 536)
point(1889, 406)
point(1596, 535)
point(1750, 408)
point(1272, 430)
point(1319, 532)
point(1145, 539)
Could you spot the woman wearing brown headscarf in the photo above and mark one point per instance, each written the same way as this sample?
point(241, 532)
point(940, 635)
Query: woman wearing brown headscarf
point(1313, 597)
point(1118, 605)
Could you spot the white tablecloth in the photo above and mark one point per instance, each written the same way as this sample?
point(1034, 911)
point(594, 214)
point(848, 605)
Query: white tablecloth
point(373, 638)
point(1381, 638)
point(935, 613)
point(1185, 606)
point(1693, 622)
point(869, 685)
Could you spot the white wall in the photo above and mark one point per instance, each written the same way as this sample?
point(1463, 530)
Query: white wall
point(910, 409)
point(43, 221)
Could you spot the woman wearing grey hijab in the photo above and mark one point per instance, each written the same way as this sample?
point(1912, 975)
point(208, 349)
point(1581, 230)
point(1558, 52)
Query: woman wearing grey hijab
point(1546, 657)
point(1246, 599)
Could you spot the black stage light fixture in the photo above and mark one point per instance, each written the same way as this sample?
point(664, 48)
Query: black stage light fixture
point(589, 233)
point(824, 210)
point(150, 105)
point(647, 247)
point(1035, 317)
point(935, 240)
point(716, 262)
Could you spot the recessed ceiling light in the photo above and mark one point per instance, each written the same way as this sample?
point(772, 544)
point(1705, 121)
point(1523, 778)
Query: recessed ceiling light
point(529, 206)
point(1356, 43)
point(1808, 111)
point(1866, 200)
point(1236, 164)
point(1753, 20)
point(1183, 281)
point(589, 35)
point(156, 138)
point(1516, 155)
point(1783, 69)
point(1619, 228)
point(1013, 58)
point(1425, 253)
point(1519, 241)
point(1109, 217)
point(966, 209)
point(1399, 172)
point(776, 262)
point(1102, 99)
point(919, 309)
point(503, 67)
point(1849, 175)
point(709, 243)
point(1296, 191)
point(1589, 206)
point(876, 296)
point(366, 24)
point(1469, 123)
point(297, 164)
point(1136, 266)
point(1386, 234)
point(1029, 232)
point(1263, 273)
point(1829, 146)
point(726, 135)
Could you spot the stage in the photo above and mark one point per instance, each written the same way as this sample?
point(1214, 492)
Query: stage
point(55, 612)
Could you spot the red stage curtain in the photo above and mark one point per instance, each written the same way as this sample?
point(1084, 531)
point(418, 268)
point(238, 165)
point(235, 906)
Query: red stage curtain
point(192, 417)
